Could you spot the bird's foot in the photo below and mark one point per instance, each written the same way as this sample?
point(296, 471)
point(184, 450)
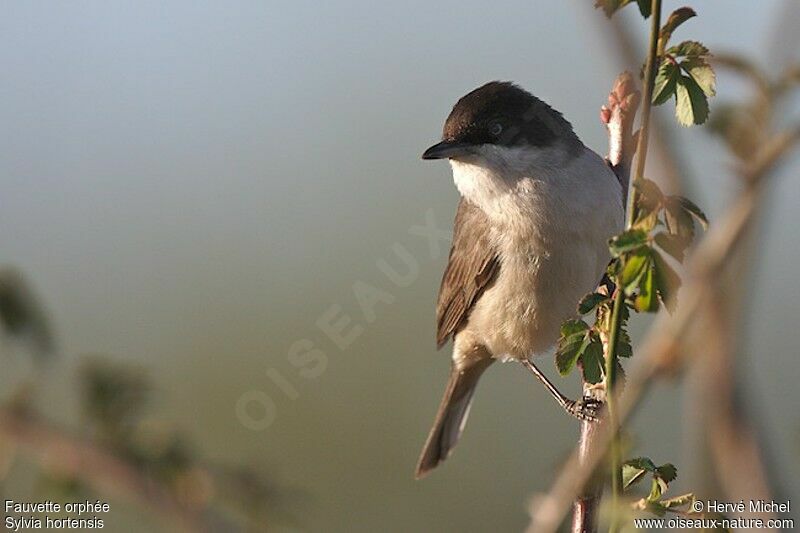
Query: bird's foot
point(586, 408)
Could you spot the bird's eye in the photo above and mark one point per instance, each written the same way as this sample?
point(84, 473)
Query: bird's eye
point(495, 128)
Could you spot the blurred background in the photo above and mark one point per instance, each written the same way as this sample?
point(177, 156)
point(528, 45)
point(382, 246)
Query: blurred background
point(191, 191)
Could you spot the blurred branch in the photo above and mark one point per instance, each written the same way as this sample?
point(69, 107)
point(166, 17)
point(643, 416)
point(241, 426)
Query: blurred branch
point(734, 452)
point(733, 461)
point(138, 460)
point(107, 473)
point(770, 156)
point(21, 313)
point(746, 68)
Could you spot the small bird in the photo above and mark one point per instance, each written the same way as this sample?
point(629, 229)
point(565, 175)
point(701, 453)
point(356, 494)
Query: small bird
point(530, 239)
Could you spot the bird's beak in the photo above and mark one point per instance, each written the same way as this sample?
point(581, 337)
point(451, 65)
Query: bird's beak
point(446, 150)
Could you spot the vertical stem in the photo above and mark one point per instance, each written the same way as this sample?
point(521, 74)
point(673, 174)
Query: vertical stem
point(647, 98)
point(618, 115)
point(616, 314)
point(611, 404)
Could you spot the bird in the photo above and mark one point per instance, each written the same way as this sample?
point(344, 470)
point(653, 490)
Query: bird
point(530, 238)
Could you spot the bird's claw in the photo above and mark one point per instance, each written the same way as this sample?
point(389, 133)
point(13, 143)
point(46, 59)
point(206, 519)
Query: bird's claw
point(586, 408)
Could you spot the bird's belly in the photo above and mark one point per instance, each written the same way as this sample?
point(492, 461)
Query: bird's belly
point(521, 314)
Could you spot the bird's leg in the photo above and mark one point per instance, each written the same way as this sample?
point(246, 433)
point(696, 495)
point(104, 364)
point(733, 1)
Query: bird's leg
point(586, 408)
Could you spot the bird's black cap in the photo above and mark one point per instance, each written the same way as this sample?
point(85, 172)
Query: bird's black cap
point(500, 113)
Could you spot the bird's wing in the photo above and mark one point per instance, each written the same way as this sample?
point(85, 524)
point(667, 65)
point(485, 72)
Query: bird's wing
point(473, 265)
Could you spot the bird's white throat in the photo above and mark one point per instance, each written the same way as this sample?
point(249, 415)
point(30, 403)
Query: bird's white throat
point(504, 180)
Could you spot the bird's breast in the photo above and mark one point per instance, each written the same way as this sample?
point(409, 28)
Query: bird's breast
point(551, 236)
point(537, 288)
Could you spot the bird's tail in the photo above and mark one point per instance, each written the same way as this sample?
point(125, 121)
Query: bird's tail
point(450, 419)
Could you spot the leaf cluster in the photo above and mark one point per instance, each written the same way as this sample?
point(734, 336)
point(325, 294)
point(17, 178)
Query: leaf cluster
point(635, 470)
point(663, 224)
point(683, 70)
point(580, 343)
point(684, 73)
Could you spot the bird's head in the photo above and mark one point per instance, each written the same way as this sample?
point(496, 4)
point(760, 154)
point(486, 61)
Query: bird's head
point(501, 118)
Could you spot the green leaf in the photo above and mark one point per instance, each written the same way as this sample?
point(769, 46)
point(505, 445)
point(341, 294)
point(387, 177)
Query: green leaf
point(689, 49)
point(631, 475)
point(648, 204)
point(644, 463)
point(666, 81)
point(634, 470)
point(678, 17)
point(592, 361)
point(667, 282)
point(691, 208)
point(654, 506)
point(674, 245)
point(614, 268)
point(625, 313)
point(635, 265)
point(657, 488)
point(667, 472)
point(678, 220)
point(624, 348)
point(610, 7)
point(647, 300)
point(565, 359)
point(650, 195)
point(573, 341)
point(571, 327)
point(691, 103)
point(702, 73)
point(646, 220)
point(590, 301)
point(645, 8)
point(662, 477)
point(627, 241)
